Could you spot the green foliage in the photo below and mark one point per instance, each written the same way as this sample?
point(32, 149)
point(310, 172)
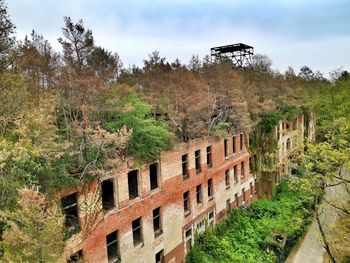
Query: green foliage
point(325, 159)
point(331, 104)
point(246, 234)
point(35, 232)
point(32, 154)
point(221, 129)
point(149, 136)
point(263, 147)
point(288, 111)
point(7, 28)
point(269, 120)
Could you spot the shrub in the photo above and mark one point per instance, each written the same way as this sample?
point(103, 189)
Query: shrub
point(149, 136)
point(246, 234)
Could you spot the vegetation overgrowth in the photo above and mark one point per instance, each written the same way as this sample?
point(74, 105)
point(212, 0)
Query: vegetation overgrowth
point(249, 235)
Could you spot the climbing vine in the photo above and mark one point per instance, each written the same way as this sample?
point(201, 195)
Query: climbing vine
point(263, 149)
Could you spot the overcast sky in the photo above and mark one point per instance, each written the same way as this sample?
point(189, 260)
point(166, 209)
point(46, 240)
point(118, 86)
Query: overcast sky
point(294, 32)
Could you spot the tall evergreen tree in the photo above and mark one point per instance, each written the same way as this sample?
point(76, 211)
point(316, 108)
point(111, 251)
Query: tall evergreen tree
point(7, 40)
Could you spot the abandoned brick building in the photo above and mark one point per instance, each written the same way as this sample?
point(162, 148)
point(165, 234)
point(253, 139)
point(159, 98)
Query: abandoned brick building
point(151, 214)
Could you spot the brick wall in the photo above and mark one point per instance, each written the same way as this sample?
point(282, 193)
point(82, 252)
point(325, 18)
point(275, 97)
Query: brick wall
point(169, 196)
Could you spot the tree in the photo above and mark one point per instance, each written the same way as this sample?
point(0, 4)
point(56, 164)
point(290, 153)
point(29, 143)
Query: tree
point(7, 28)
point(306, 73)
point(78, 45)
point(14, 99)
point(124, 108)
point(105, 64)
point(36, 59)
point(31, 151)
point(79, 83)
point(345, 75)
point(36, 230)
point(327, 162)
point(290, 73)
point(184, 110)
point(176, 64)
point(261, 64)
point(195, 63)
point(154, 61)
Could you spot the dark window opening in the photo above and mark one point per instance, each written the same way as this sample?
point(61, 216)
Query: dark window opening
point(187, 208)
point(235, 173)
point(188, 233)
point(241, 141)
point(199, 194)
point(250, 165)
point(234, 144)
point(133, 184)
point(136, 231)
point(209, 161)
point(227, 179)
point(254, 186)
point(236, 200)
point(188, 236)
point(107, 187)
point(157, 222)
point(225, 147)
point(197, 157)
point(242, 170)
point(184, 167)
point(211, 218)
point(159, 256)
point(112, 247)
point(153, 174)
point(243, 195)
point(210, 188)
point(251, 189)
point(288, 144)
point(76, 257)
point(211, 215)
point(70, 209)
point(228, 205)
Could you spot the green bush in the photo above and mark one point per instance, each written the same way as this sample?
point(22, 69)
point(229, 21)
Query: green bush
point(149, 136)
point(246, 234)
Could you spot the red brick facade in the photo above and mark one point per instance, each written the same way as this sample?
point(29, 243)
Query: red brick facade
point(178, 227)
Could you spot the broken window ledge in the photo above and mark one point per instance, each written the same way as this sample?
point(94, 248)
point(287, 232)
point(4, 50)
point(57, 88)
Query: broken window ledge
point(106, 210)
point(139, 245)
point(71, 231)
point(158, 233)
point(156, 190)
